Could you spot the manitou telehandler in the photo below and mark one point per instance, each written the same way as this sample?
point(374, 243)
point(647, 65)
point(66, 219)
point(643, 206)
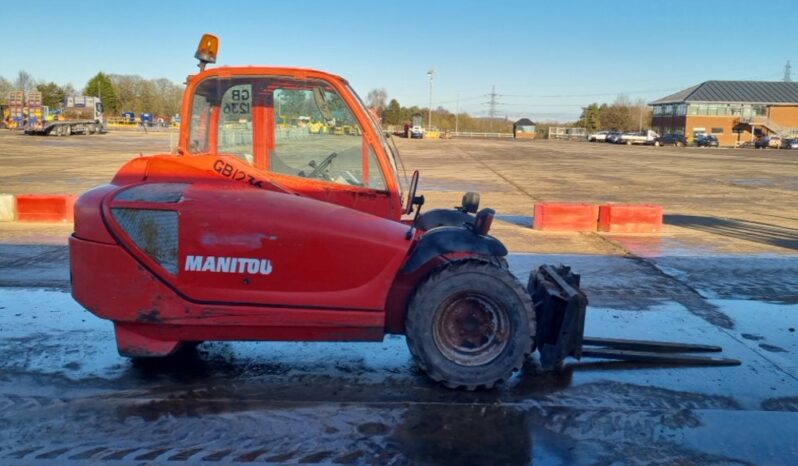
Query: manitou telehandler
point(256, 230)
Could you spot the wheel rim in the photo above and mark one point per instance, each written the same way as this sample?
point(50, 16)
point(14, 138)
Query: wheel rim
point(471, 330)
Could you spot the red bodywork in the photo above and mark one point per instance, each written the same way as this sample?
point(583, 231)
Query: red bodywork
point(225, 250)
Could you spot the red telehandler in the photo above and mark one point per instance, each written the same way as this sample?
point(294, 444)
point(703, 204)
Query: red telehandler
point(257, 230)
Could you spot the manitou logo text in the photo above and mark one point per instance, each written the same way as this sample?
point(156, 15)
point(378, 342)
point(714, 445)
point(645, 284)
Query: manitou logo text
point(228, 265)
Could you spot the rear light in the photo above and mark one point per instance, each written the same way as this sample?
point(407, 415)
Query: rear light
point(483, 221)
point(152, 231)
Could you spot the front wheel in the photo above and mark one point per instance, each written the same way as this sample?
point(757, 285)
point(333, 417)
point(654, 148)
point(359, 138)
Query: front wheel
point(470, 324)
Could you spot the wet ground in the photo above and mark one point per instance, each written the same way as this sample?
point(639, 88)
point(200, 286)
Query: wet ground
point(68, 398)
point(724, 272)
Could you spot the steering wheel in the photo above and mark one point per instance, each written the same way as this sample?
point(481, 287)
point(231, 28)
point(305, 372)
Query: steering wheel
point(412, 200)
point(320, 168)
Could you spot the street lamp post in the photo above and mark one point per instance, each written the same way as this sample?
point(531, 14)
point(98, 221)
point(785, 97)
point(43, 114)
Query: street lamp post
point(457, 113)
point(429, 118)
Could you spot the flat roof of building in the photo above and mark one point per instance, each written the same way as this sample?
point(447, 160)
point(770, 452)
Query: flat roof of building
point(755, 92)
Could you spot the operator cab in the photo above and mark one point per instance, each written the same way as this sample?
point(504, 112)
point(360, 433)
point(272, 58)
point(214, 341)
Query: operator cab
point(305, 131)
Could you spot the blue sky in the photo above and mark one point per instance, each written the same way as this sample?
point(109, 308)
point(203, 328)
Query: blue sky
point(546, 59)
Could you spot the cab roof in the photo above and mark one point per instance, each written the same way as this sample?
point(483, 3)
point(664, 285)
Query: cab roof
point(250, 70)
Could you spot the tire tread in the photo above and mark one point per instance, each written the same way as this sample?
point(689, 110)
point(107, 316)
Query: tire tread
point(488, 266)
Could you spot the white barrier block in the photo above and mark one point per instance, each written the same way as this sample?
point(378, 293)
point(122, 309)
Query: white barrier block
point(7, 208)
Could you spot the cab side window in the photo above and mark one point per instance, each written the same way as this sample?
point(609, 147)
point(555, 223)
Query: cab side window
point(235, 122)
point(316, 136)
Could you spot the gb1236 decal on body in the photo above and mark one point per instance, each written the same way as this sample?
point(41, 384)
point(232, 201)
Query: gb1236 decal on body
point(218, 264)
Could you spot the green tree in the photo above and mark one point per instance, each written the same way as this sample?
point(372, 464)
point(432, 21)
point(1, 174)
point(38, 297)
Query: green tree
point(590, 118)
point(393, 113)
point(52, 94)
point(101, 86)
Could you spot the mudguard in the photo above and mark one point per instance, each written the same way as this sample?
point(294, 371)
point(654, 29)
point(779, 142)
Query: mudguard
point(442, 218)
point(445, 240)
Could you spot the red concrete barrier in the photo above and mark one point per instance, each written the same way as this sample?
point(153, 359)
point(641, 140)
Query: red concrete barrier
point(45, 208)
point(630, 218)
point(565, 217)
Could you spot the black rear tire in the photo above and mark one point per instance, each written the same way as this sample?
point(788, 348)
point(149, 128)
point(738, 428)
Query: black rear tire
point(470, 324)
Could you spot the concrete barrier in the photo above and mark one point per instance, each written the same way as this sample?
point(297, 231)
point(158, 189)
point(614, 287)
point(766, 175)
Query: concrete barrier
point(45, 208)
point(551, 216)
point(630, 218)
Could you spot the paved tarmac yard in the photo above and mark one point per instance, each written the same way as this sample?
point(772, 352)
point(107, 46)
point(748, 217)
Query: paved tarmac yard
point(724, 272)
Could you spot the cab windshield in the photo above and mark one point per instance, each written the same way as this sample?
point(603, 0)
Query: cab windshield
point(390, 149)
point(295, 127)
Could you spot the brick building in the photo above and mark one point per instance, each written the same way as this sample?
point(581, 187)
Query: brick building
point(734, 111)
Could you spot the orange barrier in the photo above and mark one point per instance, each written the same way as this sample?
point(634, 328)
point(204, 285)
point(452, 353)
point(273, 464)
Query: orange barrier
point(45, 208)
point(551, 216)
point(630, 218)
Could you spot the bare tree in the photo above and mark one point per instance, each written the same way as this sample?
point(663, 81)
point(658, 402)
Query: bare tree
point(622, 100)
point(643, 113)
point(160, 97)
point(5, 88)
point(25, 81)
point(376, 100)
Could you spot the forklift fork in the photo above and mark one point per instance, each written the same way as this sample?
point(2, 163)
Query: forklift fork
point(560, 307)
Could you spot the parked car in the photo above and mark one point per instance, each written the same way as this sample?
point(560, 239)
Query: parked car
point(791, 143)
point(600, 136)
point(773, 142)
point(613, 137)
point(639, 137)
point(672, 139)
point(706, 140)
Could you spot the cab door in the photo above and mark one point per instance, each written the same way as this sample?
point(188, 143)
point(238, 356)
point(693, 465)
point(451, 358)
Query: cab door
point(317, 148)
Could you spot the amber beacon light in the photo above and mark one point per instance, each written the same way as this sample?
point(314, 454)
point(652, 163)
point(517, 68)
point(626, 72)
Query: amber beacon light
point(207, 50)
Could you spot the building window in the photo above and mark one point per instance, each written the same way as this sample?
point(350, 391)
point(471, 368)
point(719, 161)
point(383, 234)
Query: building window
point(717, 110)
point(717, 130)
